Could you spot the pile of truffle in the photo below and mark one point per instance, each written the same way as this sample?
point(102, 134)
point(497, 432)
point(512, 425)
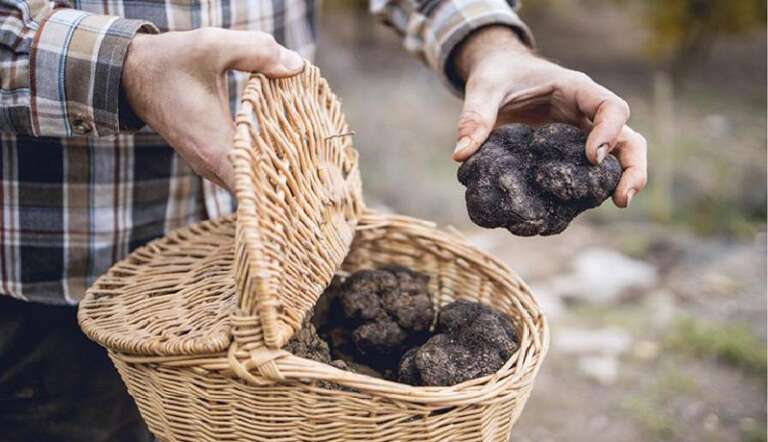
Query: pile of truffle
point(382, 323)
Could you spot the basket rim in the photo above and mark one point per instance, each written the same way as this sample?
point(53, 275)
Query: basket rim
point(520, 369)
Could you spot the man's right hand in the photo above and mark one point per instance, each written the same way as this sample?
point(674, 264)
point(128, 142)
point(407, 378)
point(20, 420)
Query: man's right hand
point(175, 82)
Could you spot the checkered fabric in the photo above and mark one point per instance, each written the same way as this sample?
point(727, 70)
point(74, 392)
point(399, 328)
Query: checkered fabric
point(81, 183)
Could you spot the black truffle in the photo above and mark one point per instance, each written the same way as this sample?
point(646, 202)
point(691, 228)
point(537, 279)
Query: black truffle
point(306, 343)
point(383, 313)
point(534, 182)
point(471, 340)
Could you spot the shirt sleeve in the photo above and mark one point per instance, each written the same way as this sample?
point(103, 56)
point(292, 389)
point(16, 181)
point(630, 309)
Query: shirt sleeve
point(61, 69)
point(433, 29)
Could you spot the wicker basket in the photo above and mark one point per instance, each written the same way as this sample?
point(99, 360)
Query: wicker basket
point(194, 322)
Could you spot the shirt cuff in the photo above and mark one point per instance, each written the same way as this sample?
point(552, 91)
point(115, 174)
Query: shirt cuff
point(445, 27)
point(76, 67)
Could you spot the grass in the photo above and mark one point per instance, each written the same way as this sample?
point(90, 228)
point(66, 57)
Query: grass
point(651, 417)
point(756, 433)
point(751, 431)
point(730, 343)
point(651, 410)
point(630, 317)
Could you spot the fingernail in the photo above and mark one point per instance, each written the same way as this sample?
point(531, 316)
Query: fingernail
point(291, 60)
point(463, 143)
point(602, 151)
point(630, 195)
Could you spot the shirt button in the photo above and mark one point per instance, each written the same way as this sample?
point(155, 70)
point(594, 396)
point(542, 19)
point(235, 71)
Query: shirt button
point(81, 126)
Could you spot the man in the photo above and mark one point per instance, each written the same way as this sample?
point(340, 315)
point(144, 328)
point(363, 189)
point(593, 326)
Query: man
point(85, 180)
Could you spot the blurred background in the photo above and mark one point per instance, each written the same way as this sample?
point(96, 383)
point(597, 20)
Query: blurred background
point(658, 312)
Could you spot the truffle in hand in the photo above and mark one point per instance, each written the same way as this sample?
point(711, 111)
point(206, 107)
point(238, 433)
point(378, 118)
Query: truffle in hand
point(535, 182)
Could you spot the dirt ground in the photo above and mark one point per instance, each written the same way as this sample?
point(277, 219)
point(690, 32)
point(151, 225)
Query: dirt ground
point(673, 351)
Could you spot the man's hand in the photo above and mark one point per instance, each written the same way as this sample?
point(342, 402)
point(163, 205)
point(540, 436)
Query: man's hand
point(505, 83)
point(175, 82)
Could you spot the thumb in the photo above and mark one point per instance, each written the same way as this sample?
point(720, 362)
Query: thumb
point(254, 51)
point(477, 119)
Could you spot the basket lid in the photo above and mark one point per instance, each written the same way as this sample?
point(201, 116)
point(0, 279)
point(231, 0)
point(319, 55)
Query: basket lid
point(174, 296)
point(299, 199)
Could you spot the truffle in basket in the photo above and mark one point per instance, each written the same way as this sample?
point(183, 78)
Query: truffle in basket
point(535, 181)
point(379, 322)
point(471, 340)
point(374, 316)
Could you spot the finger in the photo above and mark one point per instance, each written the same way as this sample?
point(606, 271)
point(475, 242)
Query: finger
point(206, 171)
point(478, 117)
point(218, 157)
point(607, 112)
point(212, 164)
point(214, 179)
point(226, 177)
point(611, 116)
point(253, 51)
point(632, 155)
point(207, 146)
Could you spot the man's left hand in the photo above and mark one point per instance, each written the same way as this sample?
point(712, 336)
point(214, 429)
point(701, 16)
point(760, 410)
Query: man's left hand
point(506, 82)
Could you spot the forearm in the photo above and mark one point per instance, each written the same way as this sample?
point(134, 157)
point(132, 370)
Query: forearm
point(434, 30)
point(483, 43)
point(62, 74)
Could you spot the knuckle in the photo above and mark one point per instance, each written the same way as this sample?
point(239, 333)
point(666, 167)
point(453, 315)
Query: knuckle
point(480, 82)
point(623, 106)
point(206, 36)
point(575, 81)
point(640, 143)
point(267, 39)
point(642, 181)
point(583, 78)
point(580, 78)
point(470, 119)
point(265, 48)
point(271, 51)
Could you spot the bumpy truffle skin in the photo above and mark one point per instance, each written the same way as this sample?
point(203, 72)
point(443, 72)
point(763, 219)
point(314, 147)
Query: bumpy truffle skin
point(382, 338)
point(386, 311)
point(472, 340)
point(410, 306)
point(478, 324)
point(306, 343)
point(534, 182)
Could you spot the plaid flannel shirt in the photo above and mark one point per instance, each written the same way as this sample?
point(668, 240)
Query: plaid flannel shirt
point(81, 184)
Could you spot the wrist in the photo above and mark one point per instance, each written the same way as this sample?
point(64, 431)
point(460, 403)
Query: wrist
point(486, 43)
point(128, 114)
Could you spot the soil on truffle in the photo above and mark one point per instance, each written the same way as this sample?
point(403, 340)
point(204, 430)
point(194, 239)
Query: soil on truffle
point(471, 340)
point(382, 323)
point(371, 318)
point(306, 343)
point(535, 181)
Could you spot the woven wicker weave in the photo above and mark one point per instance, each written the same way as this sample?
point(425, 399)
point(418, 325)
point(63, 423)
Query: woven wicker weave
point(182, 316)
point(299, 197)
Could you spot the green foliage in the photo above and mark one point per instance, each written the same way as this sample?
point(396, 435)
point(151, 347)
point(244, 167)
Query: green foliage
point(754, 433)
point(731, 343)
point(651, 416)
point(651, 410)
